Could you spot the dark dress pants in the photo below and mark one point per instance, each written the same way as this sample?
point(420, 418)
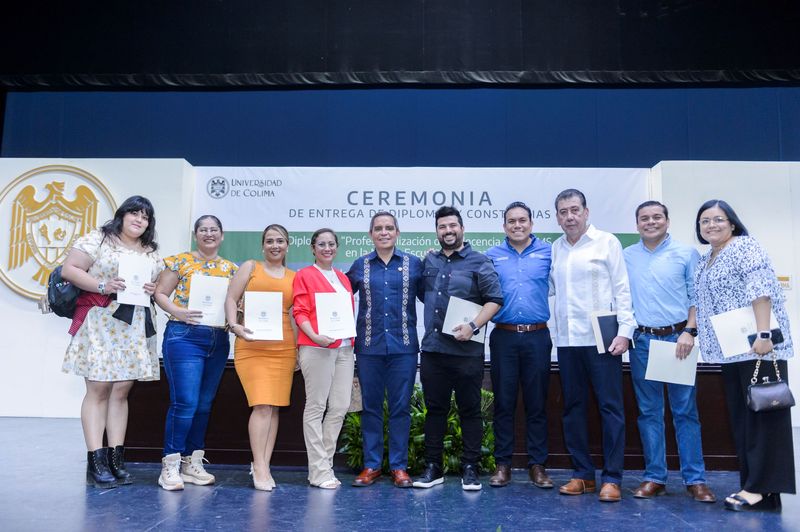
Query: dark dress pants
point(579, 367)
point(763, 439)
point(520, 359)
point(441, 375)
point(390, 377)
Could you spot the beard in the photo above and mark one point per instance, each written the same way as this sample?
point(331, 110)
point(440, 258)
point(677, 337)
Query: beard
point(455, 245)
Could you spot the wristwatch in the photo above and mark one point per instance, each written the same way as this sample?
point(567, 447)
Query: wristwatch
point(475, 329)
point(691, 330)
point(101, 287)
point(765, 335)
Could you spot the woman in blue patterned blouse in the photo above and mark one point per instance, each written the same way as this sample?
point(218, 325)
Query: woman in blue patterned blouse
point(736, 272)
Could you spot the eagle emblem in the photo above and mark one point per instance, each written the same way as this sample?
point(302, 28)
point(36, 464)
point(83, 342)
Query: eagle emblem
point(46, 229)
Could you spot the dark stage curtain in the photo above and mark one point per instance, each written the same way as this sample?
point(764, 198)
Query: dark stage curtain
point(256, 43)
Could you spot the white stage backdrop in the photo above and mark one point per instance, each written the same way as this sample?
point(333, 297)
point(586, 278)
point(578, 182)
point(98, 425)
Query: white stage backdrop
point(344, 199)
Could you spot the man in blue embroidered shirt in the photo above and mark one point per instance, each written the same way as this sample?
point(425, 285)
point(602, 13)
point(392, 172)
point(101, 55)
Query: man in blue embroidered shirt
point(520, 345)
point(387, 282)
point(661, 273)
point(450, 360)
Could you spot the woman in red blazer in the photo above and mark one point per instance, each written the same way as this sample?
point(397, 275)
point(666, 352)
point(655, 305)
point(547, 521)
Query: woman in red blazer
point(326, 363)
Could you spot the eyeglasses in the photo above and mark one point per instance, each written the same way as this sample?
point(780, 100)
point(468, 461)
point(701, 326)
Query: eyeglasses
point(208, 230)
point(323, 245)
point(716, 220)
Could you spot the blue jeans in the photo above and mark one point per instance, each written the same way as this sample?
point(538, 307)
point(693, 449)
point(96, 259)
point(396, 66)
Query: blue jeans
point(650, 397)
point(194, 359)
point(579, 367)
point(390, 376)
point(520, 359)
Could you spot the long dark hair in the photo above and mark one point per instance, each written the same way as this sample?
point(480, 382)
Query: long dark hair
point(134, 204)
point(737, 227)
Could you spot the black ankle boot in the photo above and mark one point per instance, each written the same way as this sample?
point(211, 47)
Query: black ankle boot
point(97, 472)
point(116, 464)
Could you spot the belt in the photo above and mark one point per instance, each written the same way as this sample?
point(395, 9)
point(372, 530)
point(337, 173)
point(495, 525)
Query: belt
point(662, 331)
point(521, 327)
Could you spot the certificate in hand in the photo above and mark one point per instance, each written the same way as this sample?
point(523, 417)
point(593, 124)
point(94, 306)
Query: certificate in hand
point(335, 315)
point(664, 366)
point(461, 311)
point(207, 294)
point(136, 271)
point(733, 327)
point(263, 314)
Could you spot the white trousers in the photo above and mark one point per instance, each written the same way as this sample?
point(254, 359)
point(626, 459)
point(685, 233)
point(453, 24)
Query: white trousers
point(328, 374)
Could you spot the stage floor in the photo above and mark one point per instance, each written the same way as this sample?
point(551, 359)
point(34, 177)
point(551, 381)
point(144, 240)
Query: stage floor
point(43, 488)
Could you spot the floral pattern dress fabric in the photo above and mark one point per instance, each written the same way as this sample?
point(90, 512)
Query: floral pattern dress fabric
point(185, 265)
point(105, 348)
point(741, 273)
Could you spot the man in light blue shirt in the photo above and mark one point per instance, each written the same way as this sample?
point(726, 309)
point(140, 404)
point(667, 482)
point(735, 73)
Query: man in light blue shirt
point(520, 345)
point(661, 273)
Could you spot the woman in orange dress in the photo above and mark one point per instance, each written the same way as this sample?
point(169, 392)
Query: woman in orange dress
point(265, 367)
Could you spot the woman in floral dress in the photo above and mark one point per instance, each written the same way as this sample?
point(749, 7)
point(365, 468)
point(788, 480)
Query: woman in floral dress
point(112, 345)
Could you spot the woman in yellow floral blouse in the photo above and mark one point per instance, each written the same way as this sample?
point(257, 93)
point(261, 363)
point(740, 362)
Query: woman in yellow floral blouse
point(194, 356)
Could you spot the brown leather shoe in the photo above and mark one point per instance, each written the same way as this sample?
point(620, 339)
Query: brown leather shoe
point(610, 492)
point(539, 477)
point(577, 486)
point(701, 493)
point(648, 490)
point(401, 479)
point(501, 476)
point(367, 477)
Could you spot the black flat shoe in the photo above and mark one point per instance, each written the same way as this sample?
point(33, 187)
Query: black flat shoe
point(768, 502)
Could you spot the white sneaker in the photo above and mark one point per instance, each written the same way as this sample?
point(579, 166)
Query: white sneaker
point(170, 478)
point(193, 472)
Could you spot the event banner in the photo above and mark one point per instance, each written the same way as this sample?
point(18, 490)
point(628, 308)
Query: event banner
point(304, 199)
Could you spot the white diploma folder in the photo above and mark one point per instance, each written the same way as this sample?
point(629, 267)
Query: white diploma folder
point(733, 327)
point(664, 366)
point(136, 271)
point(335, 315)
point(207, 294)
point(460, 311)
point(263, 314)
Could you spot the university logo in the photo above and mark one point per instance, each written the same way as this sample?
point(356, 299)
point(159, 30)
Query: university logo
point(47, 209)
point(217, 187)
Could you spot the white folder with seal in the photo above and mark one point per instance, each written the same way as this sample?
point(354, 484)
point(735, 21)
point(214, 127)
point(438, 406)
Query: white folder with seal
point(207, 294)
point(136, 270)
point(263, 314)
point(460, 311)
point(733, 327)
point(335, 316)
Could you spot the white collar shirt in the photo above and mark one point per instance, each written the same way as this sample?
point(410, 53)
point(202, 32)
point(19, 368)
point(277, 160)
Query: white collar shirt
point(587, 277)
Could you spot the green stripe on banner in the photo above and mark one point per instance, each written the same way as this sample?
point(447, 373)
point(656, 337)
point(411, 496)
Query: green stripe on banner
point(240, 246)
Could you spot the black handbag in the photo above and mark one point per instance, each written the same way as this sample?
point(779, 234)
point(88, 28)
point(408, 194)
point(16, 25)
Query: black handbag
point(61, 297)
point(768, 396)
